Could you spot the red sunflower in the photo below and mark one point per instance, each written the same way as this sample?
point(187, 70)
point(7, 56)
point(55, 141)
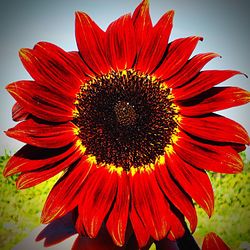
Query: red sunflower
point(129, 119)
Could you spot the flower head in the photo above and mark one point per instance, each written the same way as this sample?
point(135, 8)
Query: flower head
point(129, 119)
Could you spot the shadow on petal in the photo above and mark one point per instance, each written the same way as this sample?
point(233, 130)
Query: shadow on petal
point(58, 230)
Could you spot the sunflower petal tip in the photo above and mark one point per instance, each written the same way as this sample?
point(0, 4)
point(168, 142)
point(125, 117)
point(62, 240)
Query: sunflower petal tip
point(77, 13)
point(213, 241)
point(210, 209)
point(6, 172)
point(10, 87)
point(23, 51)
point(9, 170)
point(193, 228)
point(245, 75)
point(9, 133)
point(39, 237)
point(80, 14)
point(92, 235)
point(217, 55)
point(197, 39)
point(24, 54)
point(42, 45)
point(210, 213)
point(145, 4)
point(19, 185)
point(119, 242)
point(45, 219)
point(201, 38)
point(171, 13)
point(241, 73)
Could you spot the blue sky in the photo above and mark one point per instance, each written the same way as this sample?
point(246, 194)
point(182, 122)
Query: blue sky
point(224, 25)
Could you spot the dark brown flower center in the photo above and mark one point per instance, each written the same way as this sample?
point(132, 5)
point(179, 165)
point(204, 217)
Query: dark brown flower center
point(125, 113)
point(125, 118)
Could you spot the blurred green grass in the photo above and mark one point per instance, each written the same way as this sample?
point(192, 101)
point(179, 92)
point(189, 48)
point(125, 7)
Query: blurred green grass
point(20, 209)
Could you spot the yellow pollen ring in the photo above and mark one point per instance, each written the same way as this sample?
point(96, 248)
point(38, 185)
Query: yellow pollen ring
point(153, 78)
point(169, 149)
point(80, 147)
point(132, 171)
point(92, 160)
point(75, 113)
point(76, 131)
point(161, 160)
point(177, 119)
point(76, 102)
point(175, 107)
point(124, 73)
point(112, 168)
point(164, 86)
point(147, 168)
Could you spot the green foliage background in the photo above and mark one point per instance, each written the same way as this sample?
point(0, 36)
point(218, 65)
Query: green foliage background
point(20, 209)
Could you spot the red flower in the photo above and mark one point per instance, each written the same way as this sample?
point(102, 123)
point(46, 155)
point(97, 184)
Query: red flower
point(129, 119)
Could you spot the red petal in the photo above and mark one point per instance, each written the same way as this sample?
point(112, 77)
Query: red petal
point(152, 207)
point(155, 45)
point(121, 45)
point(97, 197)
point(52, 67)
point(239, 148)
point(82, 68)
point(177, 56)
point(65, 195)
point(90, 41)
point(194, 181)
point(213, 241)
point(41, 102)
point(190, 70)
point(142, 23)
point(43, 135)
point(30, 179)
point(215, 99)
point(80, 227)
point(221, 159)
point(30, 158)
point(19, 113)
point(177, 229)
point(141, 233)
point(204, 81)
point(117, 220)
point(215, 128)
point(179, 198)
